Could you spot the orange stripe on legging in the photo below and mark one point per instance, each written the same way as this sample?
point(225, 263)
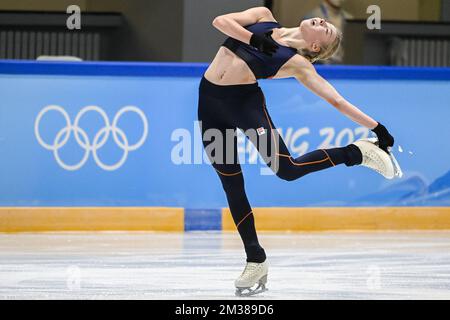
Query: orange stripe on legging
point(237, 226)
point(329, 158)
point(229, 174)
point(301, 164)
point(285, 155)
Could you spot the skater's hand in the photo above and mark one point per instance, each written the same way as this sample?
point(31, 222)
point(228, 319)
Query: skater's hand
point(264, 43)
point(385, 139)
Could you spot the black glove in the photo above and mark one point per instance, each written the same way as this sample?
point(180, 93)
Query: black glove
point(264, 43)
point(385, 139)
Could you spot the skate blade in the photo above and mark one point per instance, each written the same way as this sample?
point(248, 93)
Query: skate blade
point(248, 292)
point(397, 169)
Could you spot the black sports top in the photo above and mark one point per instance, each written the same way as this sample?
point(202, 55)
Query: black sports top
point(262, 65)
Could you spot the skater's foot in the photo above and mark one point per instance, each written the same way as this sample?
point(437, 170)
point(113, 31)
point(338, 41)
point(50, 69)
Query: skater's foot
point(375, 158)
point(253, 274)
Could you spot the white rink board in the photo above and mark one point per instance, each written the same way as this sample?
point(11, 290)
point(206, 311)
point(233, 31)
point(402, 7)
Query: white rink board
point(371, 265)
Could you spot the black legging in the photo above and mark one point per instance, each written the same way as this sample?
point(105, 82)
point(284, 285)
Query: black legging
point(223, 109)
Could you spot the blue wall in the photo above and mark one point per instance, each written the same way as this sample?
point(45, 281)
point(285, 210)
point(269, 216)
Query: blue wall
point(412, 103)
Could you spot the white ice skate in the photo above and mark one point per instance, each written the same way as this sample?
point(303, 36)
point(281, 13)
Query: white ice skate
point(254, 273)
point(377, 159)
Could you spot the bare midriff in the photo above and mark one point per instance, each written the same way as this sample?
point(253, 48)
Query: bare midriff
point(229, 69)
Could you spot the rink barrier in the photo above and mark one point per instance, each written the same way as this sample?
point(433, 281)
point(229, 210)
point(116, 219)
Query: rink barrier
point(346, 218)
point(158, 91)
point(202, 219)
point(47, 219)
point(28, 202)
point(169, 219)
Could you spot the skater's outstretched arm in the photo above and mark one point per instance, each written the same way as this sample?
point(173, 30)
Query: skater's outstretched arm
point(307, 74)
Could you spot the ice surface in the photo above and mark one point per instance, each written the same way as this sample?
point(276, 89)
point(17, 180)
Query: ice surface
point(371, 265)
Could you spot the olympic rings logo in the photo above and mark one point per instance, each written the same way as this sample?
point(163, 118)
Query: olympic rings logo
point(83, 140)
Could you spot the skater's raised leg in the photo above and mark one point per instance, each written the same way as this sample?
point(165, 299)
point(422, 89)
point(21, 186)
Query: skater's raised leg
point(261, 131)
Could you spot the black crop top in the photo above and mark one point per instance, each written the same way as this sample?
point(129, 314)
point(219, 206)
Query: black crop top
point(262, 65)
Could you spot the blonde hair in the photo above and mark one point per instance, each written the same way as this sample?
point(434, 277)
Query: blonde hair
point(326, 52)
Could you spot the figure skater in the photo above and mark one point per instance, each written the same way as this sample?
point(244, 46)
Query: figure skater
point(257, 47)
